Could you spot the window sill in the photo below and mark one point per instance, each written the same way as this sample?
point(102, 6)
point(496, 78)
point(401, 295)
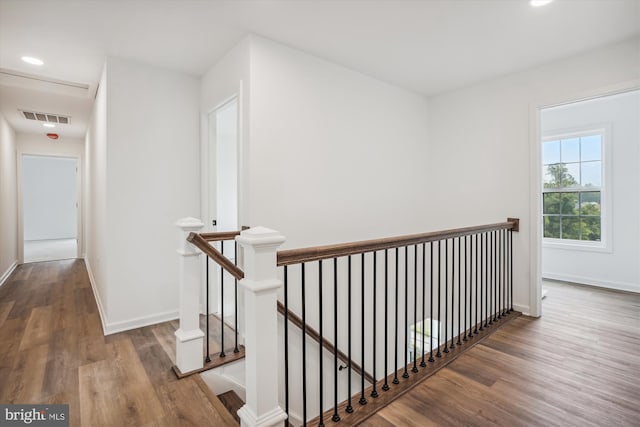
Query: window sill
point(576, 245)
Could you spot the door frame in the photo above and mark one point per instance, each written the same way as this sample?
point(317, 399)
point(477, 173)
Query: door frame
point(208, 182)
point(79, 189)
point(535, 173)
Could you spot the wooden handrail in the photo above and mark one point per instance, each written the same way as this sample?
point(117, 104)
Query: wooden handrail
point(219, 235)
point(297, 256)
point(296, 320)
point(198, 241)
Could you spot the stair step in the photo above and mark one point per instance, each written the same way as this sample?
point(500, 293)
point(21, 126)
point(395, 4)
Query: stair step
point(230, 419)
point(232, 402)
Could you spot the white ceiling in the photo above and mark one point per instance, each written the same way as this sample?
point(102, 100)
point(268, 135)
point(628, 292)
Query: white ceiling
point(426, 46)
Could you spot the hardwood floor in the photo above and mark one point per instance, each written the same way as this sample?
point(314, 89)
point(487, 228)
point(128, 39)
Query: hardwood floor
point(53, 351)
point(578, 365)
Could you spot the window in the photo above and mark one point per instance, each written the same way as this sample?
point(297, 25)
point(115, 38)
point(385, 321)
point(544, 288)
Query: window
point(572, 187)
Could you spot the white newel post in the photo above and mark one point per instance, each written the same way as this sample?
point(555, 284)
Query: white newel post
point(260, 286)
point(189, 337)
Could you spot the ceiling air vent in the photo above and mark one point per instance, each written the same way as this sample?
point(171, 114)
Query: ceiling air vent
point(46, 117)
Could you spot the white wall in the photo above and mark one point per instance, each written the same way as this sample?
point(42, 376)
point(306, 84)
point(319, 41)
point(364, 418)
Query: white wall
point(153, 179)
point(334, 154)
point(8, 200)
point(142, 175)
point(479, 167)
point(618, 267)
point(49, 197)
point(95, 200)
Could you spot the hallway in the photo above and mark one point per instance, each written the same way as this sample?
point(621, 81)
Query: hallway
point(54, 351)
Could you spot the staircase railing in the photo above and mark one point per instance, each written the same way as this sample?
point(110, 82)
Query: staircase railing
point(400, 307)
point(391, 311)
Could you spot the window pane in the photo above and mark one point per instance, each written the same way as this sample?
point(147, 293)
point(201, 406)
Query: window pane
point(570, 227)
point(591, 174)
point(569, 203)
point(591, 229)
point(551, 203)
point(552, 227)
point(561, 175)
point(572, 176)
point(550, 152)
point(591, 148)
point(570, 150)
point(590, 203)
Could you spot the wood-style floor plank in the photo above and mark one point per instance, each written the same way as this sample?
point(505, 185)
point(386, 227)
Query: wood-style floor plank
point(577, 365)
point(53, 351)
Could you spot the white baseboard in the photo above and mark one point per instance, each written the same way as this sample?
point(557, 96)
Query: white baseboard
point(7, 273)
point(96, 295)
point(109, 328)
point(524, 309)
point(139, 322)
point(620, 286)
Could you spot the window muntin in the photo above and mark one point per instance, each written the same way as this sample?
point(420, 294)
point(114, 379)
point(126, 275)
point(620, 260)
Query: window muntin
point(572, 181)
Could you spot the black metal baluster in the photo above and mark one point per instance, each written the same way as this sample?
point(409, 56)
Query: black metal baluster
point(374, 392)
point(208, 358)
point(475, 331)
point(415, 308)
point(395, 372)
point(405, 374)
point(304, 349)
point(363, 399)
point(505, 311)
point(222, 303)
point(424, 297)
point(286, 345)
point(495, 276)
point(511, 269)
point(431, 359)
point(439, 354)
point(336, 416)
point(491, 280)
point(453, 290)
point(486, 279)
point(482, 279)
point(385, 386)
point(235, 303)
point(349, 408)
point(446, 296)
point(499, 287)
point(320, 348)
point(459, 289)
point(466, 286)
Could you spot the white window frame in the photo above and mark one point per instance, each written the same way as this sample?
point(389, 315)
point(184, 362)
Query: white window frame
point(605, 243)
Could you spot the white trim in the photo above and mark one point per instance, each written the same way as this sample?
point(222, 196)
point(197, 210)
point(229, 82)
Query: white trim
point(606, 188)
point(620, 286)
point(524, 309)
point(7, 273)
point(140, 322)
point(96, 295)
point(80, 176)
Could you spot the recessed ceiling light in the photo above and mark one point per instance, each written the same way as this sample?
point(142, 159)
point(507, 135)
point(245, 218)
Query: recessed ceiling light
point(48, 125)
point(538, 3)
point(31, 60)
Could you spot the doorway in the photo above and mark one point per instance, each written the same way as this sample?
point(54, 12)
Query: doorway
point(49, 208)
point(223, 196)
point(590, 192)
